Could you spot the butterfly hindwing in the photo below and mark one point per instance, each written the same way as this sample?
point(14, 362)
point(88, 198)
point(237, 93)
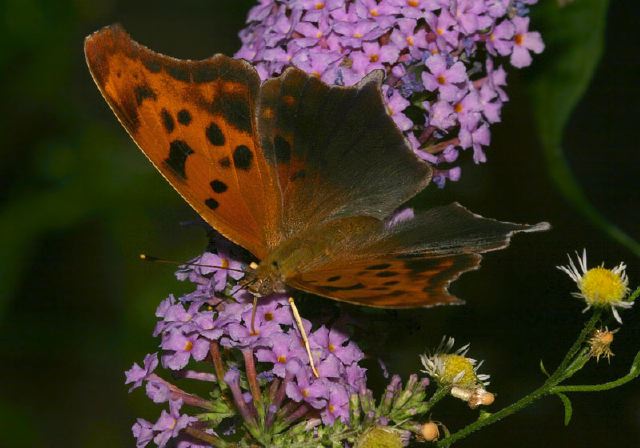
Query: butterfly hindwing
point(195, 121)
point(390, 282)
point(405, 265)
point(301, 174)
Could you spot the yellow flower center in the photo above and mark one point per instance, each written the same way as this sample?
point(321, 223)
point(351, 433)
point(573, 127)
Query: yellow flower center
point(357, 35)
point(374, 12)
point(410, 40)
point(188, 346)
point(374, 58)
point(601, 287)
point(458, 368)
point(305, 393)
point(519, 39)
point(331, 408)
point(224, 263)
point(319, 5)
point(413, 3)
point(318, 34)
point(439, 31)
point(282, 359)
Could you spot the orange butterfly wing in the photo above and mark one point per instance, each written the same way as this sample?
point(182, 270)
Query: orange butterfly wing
point(405, 265)
point(195, 121)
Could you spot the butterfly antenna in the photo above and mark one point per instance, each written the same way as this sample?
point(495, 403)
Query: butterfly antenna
point(151, 258)
point(303, 333)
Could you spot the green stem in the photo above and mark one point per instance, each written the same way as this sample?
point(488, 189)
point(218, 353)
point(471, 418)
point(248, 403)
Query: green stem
point(212, 440)
point(438, 395)
point(634, 372)
point(493, 418)
point(572, 362)
point(582, 337)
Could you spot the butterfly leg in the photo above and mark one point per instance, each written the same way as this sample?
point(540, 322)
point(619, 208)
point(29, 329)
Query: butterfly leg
point(303, 333)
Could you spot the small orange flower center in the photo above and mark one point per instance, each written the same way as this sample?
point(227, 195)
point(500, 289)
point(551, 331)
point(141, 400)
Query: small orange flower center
point(413, 3)
point(173, 424)
point(282, 359)
point(224, 263)
point(458, 107)
point(439, 31)
point(318, 34)
point(410, 40)
point(188, 346)
point(319, 5)
point(332, 348)
point(268, 316)
point(357, 35)
point(374, 58)
point(441, 80)
point(492, 37)
point(519, 39)
point(331, 408)
point(374, 12)
point(305, 393)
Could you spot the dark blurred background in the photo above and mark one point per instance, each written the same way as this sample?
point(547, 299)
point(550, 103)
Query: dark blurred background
point(78, 202)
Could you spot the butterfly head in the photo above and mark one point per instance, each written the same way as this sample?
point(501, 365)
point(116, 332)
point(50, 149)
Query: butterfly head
point(265, 279)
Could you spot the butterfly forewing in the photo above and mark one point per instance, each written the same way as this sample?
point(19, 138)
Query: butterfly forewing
point(301, 174)
point(337, 151)
point(195, 121)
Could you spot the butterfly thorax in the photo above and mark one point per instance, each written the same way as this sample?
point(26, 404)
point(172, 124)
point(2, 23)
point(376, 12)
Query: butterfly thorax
point(266, 279)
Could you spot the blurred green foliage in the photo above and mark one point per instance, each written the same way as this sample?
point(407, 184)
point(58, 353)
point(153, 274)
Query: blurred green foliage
point(575, 41)
point(79, 202)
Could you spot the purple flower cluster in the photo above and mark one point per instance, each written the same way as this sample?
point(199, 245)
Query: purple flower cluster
point(444, 84)
point(216, 318)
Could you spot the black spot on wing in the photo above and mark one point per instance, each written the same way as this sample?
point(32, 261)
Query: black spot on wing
point(218, 186)
point(335, 278)
point(144, 92)
point(242, 158)
point(282, 148)
point(179, 71)
point(167, 121)
point(343, 288)
point(179, 151)
point(300, 174)
point(235, 109)
point(184, 117)
point(225, 162)
point(391, 282)
point(378, 267)
point(211, 203)
point(386, 274)
point(215, 135)
point(153, 65)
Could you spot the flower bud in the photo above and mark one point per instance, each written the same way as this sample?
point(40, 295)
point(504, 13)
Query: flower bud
point(430, 431)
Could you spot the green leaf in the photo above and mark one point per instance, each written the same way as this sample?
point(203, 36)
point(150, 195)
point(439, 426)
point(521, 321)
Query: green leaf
point(543, 369)
point(574, 37)
point(568, 409)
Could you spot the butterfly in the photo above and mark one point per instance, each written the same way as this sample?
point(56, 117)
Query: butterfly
point(303, 175)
